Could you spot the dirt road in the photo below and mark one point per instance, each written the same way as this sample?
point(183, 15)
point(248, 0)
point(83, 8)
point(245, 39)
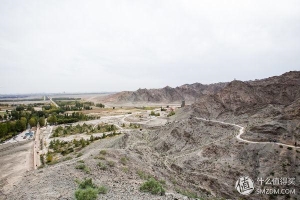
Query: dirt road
point(242, 131)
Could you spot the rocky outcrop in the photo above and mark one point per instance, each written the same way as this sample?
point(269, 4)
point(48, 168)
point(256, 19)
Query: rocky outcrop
point(187, 92)
point(240, 97)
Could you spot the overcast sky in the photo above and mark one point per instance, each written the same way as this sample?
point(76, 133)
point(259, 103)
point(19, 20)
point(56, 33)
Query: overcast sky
point(94, 46)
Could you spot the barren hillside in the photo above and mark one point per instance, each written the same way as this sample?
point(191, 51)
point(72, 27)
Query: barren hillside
point(188, 92)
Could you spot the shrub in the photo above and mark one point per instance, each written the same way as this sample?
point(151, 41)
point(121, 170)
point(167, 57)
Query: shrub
point(89, 191)
point(49, 157)
point(132, 125)
point(171, 113)
point(154, 114)
point(79, 154)
point(173, 180)
point(67, 158)
point(162, 182)
point(187, 193)
point(111, 163)
point(124, 160)
point(86, 194)
point(87, 183)
point(103, 152)
point(280, 146)
point(125, 169)
point(152, 186)
point(80, 166)
point(99, 157)
point(143, 175)
point(83, 167)
point(102, 190)
point(102, 166)
point(290, 148)
point(87, 170)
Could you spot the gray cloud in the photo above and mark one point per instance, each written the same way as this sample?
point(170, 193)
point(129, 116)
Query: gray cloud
point(80, 46)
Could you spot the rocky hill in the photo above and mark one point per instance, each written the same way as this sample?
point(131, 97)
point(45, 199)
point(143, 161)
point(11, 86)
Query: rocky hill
point(188, 92)
point(241, 97)
point(268, 106)
point(235, 95)
point(208, 156)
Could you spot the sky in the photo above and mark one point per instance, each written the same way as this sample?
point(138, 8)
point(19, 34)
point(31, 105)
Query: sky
point(96, 46)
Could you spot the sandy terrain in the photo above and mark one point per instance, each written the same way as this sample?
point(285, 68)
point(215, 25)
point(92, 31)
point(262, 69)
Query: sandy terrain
point(16, 160)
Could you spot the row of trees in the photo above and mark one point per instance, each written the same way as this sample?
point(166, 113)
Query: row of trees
point(75, 105)
point(34, 120)
point(17, 120)
point(66, 147)
point(16, 115)
point(11, 128)
point(65, 119)
point(100, 105)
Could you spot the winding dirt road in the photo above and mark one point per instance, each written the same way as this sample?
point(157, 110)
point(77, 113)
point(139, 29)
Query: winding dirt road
point(242, 131)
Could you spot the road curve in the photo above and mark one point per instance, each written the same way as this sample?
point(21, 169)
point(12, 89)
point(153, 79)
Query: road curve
point(242, 131)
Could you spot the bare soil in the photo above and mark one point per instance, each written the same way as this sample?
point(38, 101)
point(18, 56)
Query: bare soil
point(16, 160)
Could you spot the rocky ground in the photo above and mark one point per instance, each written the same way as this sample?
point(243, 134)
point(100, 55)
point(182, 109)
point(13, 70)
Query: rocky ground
point(15, 160)
point(191, 155)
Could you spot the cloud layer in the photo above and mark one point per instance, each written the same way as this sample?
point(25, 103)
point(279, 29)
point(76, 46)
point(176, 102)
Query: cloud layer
point(92, 46)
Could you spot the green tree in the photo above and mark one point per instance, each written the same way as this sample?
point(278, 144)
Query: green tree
point(23, 122)
point(52, 119)
point(19, 127)
point(12, 127)
point(32, 122)
point(100, 105)
point(42, 121)
point(3, 129)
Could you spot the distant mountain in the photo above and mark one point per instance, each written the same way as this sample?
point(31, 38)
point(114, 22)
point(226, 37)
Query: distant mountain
point(241, 97)
point(188, 92)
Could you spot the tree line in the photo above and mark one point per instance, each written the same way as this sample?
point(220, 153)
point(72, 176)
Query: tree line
point(9, 129)
point(66, 118)
point(16, 121)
